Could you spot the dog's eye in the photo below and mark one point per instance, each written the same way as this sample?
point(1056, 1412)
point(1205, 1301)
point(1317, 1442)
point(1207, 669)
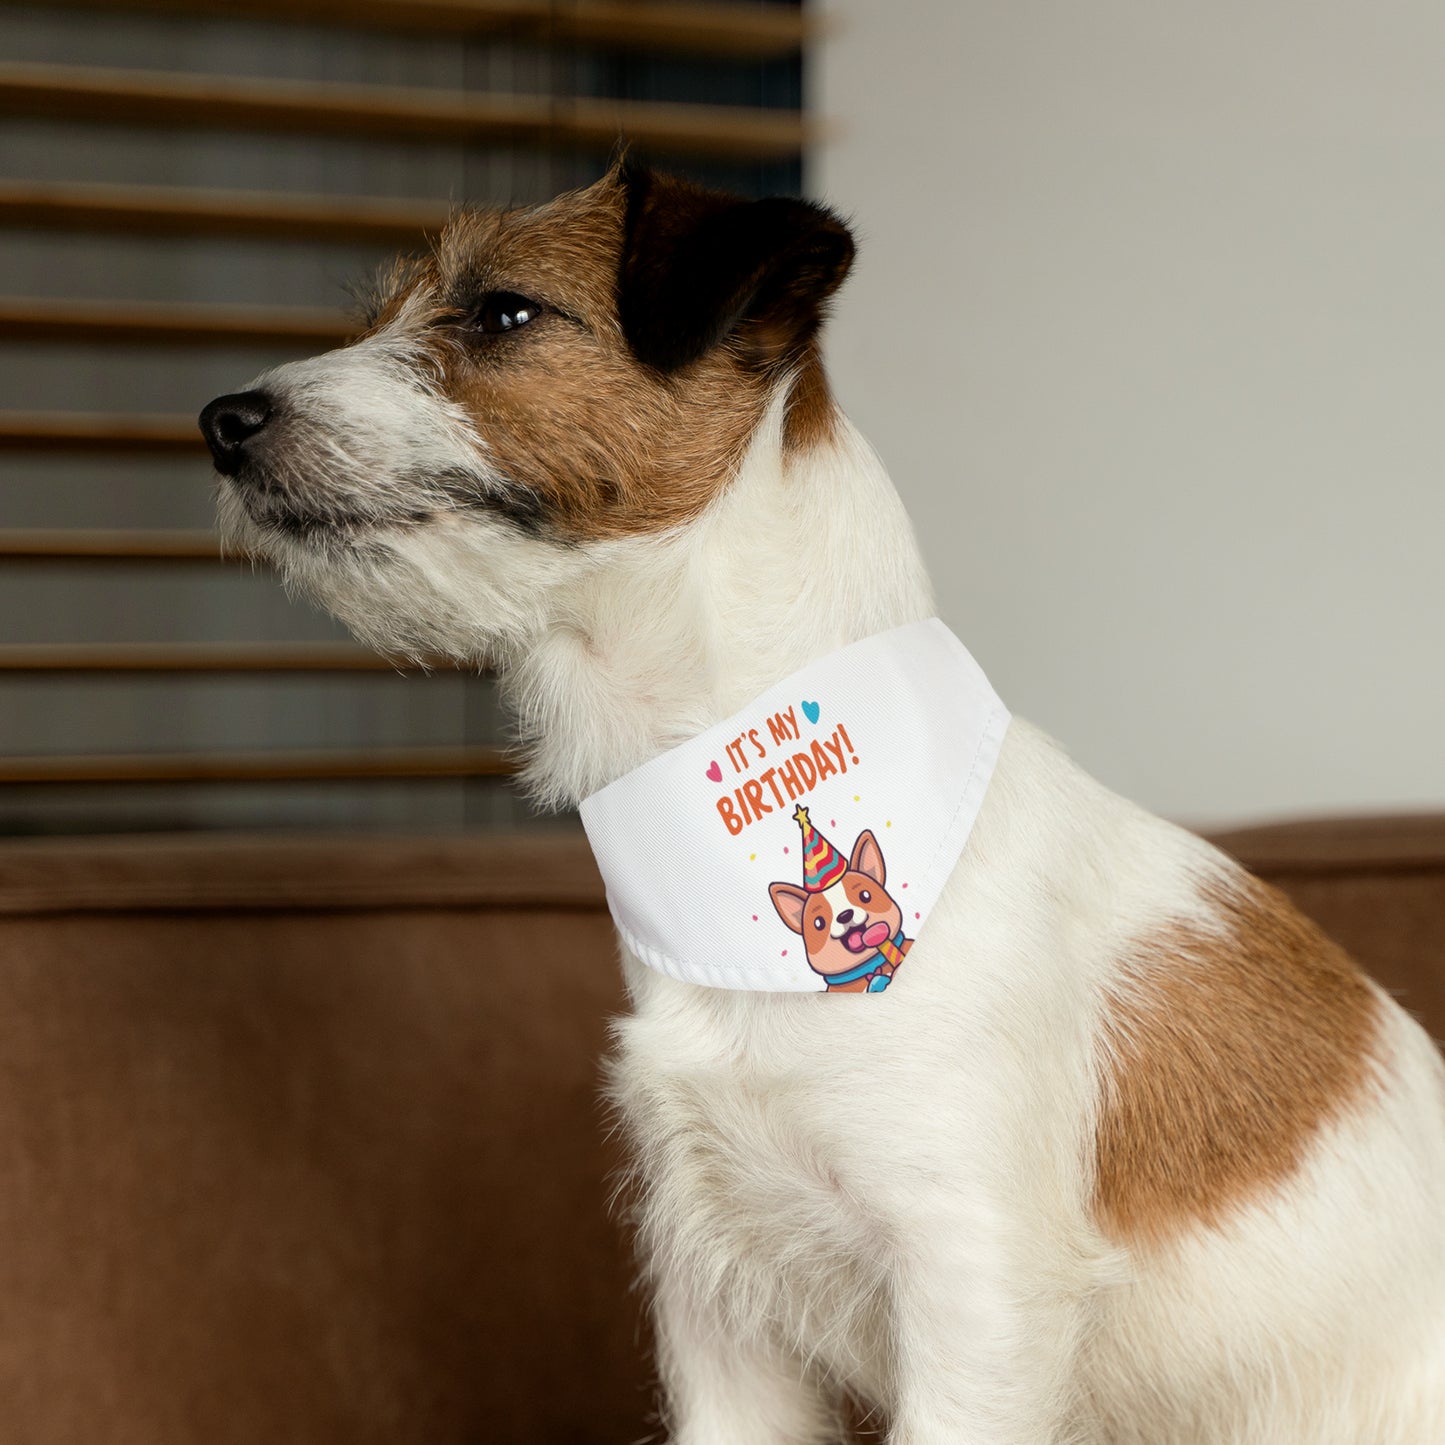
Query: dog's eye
point(818, 921)
point(864, 896)
point(504, 311)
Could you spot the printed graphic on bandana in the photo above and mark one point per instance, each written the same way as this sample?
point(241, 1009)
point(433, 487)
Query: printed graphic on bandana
point(724, 858)
point(853, 933)
point(852, 930)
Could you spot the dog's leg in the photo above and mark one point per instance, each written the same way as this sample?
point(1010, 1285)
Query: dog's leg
point(984, 1348)
point(722, 1389)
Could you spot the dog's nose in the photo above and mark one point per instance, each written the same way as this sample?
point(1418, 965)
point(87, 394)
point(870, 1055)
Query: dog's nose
point(846, 916)
point(229, 422)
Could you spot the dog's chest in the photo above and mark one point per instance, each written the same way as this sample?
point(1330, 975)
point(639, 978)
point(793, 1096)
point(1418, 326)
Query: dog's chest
point(747, 1182)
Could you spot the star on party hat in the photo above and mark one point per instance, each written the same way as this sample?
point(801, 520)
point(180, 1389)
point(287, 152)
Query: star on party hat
point(823, 864)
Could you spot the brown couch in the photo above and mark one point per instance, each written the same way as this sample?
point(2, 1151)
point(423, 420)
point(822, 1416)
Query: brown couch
point(300, 1139)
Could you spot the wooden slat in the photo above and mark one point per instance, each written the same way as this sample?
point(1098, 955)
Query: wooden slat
point(198, 657)
point(80, 431)
point(218, 102)
point(711, 29)
point(259, 767)
point(75, 544)
point(171, 323)
point(742, 31)
point(177, 211)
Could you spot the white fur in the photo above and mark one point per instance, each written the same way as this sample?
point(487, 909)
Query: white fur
point(891, 1194)
point(838, 901)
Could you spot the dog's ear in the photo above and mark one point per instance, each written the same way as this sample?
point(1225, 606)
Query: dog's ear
point(868, 858)
point(790, 901)
point(699, 266)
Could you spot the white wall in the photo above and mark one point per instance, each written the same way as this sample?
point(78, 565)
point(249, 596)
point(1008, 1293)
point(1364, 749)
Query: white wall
point(1149, 324)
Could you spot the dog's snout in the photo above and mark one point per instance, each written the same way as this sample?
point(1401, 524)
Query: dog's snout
point(846, 916)
point(229, 422)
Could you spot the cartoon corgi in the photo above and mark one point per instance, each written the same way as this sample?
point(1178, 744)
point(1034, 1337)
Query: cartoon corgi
point(851, 928)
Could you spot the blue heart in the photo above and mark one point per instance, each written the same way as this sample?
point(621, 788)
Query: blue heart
point(811, 711)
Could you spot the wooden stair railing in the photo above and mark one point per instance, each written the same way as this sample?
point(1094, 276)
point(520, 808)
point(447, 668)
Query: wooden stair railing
point(193, 657)
point(179, 211)
point(722, 30)
point(84, 431)
point(119, 97)
point(98, 544)
point(171, 323)
point(220, 102)
point(279, 766)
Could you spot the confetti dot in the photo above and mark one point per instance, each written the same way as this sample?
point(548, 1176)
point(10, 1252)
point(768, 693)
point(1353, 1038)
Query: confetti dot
point(785, 953)
point(918, 915)
point(832, 822)
point(755, 918)
point(905, 885)
point(785, 850)
point(855, 797)
point(752, 857)
point(888, 825)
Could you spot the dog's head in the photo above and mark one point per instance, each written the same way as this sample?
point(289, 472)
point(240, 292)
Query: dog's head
point(842, 925)
point(547, 382)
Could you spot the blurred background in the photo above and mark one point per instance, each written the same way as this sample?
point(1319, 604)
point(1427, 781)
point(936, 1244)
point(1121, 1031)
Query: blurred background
point(1146, 323)
point(1149, 324)
point(187, 191)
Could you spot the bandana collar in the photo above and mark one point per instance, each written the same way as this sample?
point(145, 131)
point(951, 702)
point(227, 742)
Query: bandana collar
point(724, 857)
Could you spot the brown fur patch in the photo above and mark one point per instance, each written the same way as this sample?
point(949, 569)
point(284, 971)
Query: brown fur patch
point(607, 446)
point(1226, 1052)
point(812, 413)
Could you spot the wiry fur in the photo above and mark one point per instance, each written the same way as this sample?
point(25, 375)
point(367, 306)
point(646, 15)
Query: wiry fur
point(898, 1196)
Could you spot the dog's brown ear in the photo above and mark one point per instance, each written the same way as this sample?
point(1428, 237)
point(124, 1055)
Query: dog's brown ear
point(790, 901)
point(868, 858)
point(699, 266)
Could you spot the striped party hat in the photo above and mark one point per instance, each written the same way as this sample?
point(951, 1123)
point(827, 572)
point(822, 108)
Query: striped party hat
point(823, 864)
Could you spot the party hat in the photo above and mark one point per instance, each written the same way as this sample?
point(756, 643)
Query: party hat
point(823, 864)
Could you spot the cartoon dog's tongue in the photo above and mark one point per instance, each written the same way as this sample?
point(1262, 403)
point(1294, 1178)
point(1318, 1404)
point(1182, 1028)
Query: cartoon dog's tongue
point(857, 939)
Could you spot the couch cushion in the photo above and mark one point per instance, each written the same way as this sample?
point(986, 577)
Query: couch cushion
point(303, 1142)
point(1376, 885)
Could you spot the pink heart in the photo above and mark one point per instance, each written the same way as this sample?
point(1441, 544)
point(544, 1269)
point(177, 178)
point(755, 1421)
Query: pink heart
point(715, 773)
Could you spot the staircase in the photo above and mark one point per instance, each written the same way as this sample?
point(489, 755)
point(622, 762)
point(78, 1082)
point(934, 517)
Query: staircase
point(186, 186)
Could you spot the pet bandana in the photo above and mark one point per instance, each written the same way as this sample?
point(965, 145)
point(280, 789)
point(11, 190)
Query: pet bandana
point(800, 844)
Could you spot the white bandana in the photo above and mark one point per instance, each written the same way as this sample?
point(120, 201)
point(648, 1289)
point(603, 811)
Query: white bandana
point(756, 855)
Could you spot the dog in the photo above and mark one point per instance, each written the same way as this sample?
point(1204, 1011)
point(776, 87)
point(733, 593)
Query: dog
point(851, 929)
point(1128, 1153)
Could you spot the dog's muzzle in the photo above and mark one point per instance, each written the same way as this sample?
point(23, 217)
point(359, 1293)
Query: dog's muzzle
point(230, 422)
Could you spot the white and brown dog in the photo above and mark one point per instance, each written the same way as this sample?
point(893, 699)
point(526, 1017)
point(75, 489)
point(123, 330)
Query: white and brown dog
point(1130, 1153)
